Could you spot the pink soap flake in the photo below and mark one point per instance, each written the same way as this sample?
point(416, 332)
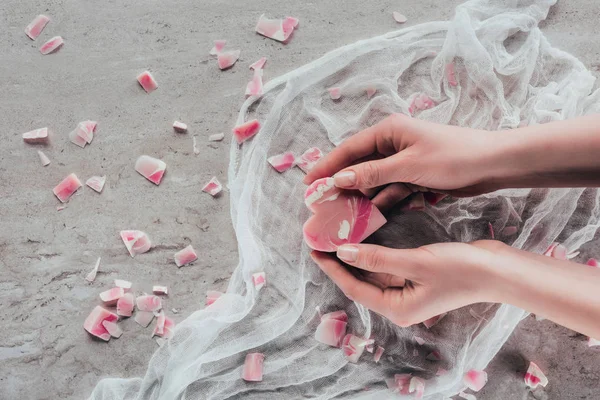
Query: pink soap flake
point(253, 367)
point(65, 189)
point(151, 168)
point(36, 136)
point(96, 183)
point(282, 162)
point(259, 280)
point(451, 74)
point(93, 323)
point(112, 328)
point(164, 326)
point(592, 262)
point(371, 92)
point(475, 379)
point(43, 158)
point(335, 93)
point(400, 18)
point(136, 242)
point(260, 64)
point(161, 290)
point(255, 86)
point(340, 216)
point(212, 296)
point(309, 159)
point(216, 137)
point(339, 315)
point(227, 59)
point(144, 318)
point(213, 187)
point(180, 127)
point(433, 320)
point(91, 276)
point(352, 348)
point(534, 376)
point(378, 354)
point(35, 27)
point(147, 82)
point(148, 302)
point(52, 45)
point(185, 256)
point(123, 284)
point(246, 130)
point(111, 297)
point(218, 47)
point(417, 385)
point(125, 305)
point(276, 29)
point(331, 332)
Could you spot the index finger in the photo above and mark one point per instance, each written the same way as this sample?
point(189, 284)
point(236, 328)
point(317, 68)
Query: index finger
point(361, 145)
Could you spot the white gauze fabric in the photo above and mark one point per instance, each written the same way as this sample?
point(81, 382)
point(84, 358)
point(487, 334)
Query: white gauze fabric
point(507, 74)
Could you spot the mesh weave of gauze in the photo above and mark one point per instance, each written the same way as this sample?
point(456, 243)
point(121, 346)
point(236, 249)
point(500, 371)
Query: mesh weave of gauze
point(507, 74)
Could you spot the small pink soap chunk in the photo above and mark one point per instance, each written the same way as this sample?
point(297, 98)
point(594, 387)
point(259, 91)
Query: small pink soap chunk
point(592, 262)
point(125, 305)
point(146, 80)
point(216, 137)
point(400, 383)
point(160, 290)
point(331, 332)
point(93, 323)
point(340, 216)
point(475, 379)
point(433, 320)
point(151, 168)
point(371, 92)
point(213, 187)
point(253, 367)
point(351, 346)
point(400, 18)
point(148, 302)
point(226, 59)
point(43, 158)
point(259, 280)
point(179, 127)
point(255, 86)
point(450, 74)
point(378, 354)
point(137, 242)
point(534, 376)
point(65, 189)
point(111, 297)
point(276, 29)
point(164, 326)
point(52, 45)
point(218, 47)
point(246, 130)
point(421, 102)
point(309, 159)
point(36, 136)
point(185, 256)
point(35, 27)
point(335, 93)
point(144, 318)
point(282, 162)
point(340, 315)
point(417, 385)
point(260, 64)
point(83, 133)
point(212, 296)
point(91, 276)
point(112, 328)
point(96, 183)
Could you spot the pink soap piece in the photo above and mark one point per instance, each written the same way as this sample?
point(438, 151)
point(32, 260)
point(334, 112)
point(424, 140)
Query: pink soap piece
point(467, 396)
point(352, 348)
point(148, 302)
point(420, 341)
point(369, 348)
point(93, 323)
point(559, 252)
point(255, 86)
point(144, 318)
point(417, 385)
point(276, 29)
point(253, 367)
point(259, 280)
point(260, 64)
point(91, 276)
point(160, 290)
point(112, 328)
point(510, 230)
point(378, 354)
point(335, 93)
point(213, 187)
point(84, 131)
point(159, 328)
point(451, 74)
point(226, 59)
point(123, 284)
point(168, 328)
point(400, 18)
point(246, 130)
point(96, 183)
point(43, 158)
point(36, 26)
point(111, 296)
point(76, 139)
point(309, 159)
point(337, 315)
point(421, 102)
point(475, 379)
point(534, 376)
point(36, 136)
point(433, 320)
point(434, 356)
point(125, 305)
point(282, 162)
point(52, 45)
point(434, 198)
point(217, 137)
point(593, 342)
point(400, 384)
point(137, 242)
point(371, 92)
point(65, 189)
point(185, 256)
point(491, 229)
point(592, 262)
point(179, 127)
point(212, 296)
point(218, 47)
point(146, 81)
point(340, 216)
point(331, 332)
point(151, 168)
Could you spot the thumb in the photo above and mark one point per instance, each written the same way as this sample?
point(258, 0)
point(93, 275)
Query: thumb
point(370, 174)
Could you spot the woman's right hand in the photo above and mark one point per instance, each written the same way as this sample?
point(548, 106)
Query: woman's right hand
point(401, 150)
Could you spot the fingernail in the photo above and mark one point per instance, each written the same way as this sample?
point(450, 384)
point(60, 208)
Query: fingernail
point(347, 252)
point(345, 179)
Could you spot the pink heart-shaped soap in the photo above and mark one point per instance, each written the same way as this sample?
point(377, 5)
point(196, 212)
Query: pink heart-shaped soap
point(340, 216)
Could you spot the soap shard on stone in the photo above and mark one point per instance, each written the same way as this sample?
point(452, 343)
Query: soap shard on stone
point(212, 296)
point(91, 276)
point(123, 284)
point(125, 305)
point(112, 328)
point(217, 137)
point(218, 47)
point(226, 59)
point(111, 297)
point(146, 81)
point(475, 379)
point(36, 136)
point(35, 27)
point(43, 158)
point(246, 130)
point(52, 45)
point(65, 189)
point(282, 162)
point(276, 29)
point(144, 318)
point(255, 86)
point(137, 242)
point(149, 303)
point(160, 290)
point(93, 323)
point(179, 127)
point(534, 376)
point(260, 64)
point(151, 168)
point(213, 187)
point(96, 183)
point(331, 207)
point(400, 18)
point(185, 256)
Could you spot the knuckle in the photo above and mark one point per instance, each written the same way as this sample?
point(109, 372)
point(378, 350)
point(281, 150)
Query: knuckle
point(370, 174)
